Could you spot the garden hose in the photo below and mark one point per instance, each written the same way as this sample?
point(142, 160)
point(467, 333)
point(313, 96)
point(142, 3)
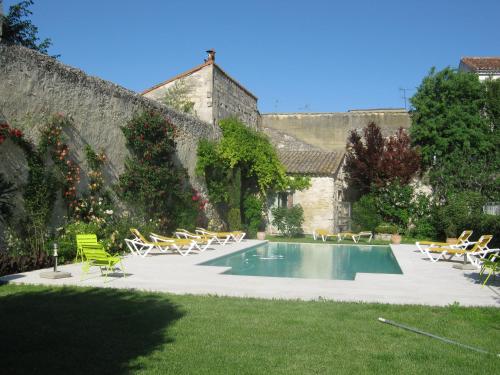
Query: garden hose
point(387, 321)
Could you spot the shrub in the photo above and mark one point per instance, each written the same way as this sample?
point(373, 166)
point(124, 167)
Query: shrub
point(234, 219)
point(387, 228)
point(254, 221)
point(364, 213)
point(152, 183)
point(288, 221)
point(455, 215)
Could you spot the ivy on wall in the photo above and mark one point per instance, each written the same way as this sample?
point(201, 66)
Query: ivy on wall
point(246, 161)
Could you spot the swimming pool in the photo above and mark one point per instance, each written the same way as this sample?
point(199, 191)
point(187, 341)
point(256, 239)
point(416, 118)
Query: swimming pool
point(310, 261)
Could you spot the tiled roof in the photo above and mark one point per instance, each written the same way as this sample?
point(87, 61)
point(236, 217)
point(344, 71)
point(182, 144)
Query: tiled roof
point(311, 162)
point(482, 63)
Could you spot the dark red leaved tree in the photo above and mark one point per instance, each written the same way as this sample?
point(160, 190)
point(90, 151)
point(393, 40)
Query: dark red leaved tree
point(378, 160)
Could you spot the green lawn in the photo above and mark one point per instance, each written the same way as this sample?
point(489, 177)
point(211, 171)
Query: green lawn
point(105, 331)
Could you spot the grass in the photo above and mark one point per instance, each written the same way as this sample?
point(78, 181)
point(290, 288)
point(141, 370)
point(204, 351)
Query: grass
point(104, 331)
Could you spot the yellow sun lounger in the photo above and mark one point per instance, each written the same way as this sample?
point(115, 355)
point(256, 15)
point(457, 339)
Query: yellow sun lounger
point(461, 242)
point(480, 249)
point(324, 234)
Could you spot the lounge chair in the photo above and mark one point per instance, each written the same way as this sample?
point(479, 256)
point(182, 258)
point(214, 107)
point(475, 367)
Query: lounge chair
point(84, 239)
point(201, 239)
point(324, 234)
point(222, 237)
point(139, 245)
point(95, 255)
point(356, 236)
point(178, 244)
point(461, 242)
point(479, 250)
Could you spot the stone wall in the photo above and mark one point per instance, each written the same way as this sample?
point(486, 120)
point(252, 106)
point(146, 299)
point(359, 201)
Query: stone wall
point(329, 131)
point(317, 203)
point(198, 90)
point(34, 86)
point(229, 99)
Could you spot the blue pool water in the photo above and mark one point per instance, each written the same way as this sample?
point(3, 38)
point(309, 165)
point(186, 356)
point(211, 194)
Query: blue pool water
point(311, 261)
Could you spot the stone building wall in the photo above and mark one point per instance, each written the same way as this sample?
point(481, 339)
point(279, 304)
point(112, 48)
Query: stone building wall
point(329, 131)
point(317, 202)
point(198, 87)
point(230, 99)
point(34, 86)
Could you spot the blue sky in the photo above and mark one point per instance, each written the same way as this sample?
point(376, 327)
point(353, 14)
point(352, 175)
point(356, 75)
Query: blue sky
point(296, 56)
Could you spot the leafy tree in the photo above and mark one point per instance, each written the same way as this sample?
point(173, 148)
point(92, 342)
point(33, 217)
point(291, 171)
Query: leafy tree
point(447, 115)
point(378, 160)
point(458, 141)
point(17, 29)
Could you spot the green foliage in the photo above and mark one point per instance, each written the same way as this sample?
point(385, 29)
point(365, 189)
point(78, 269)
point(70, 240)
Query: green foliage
point(364, 213)
point(455, 215)
point(234, 219)
point(253, 207)
point(18, 30)
point(151, 183)
point(485, 224)
point(242, 164)
point(393, 203)
point(397, 205)
point(457, 140)
point(7, 190)
point(387, 228)
point(493, 103)
point(177, 97)
point(288, 221)
point(253, 153)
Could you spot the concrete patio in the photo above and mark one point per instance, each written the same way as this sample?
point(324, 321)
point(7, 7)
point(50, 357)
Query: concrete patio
point(422, 282)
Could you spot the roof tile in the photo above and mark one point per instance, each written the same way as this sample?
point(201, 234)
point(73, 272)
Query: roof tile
point(311, 162)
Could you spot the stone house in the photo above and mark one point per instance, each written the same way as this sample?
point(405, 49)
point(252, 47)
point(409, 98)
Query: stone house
point(322, 202)
point(484, 67)
point(214, 93)
point(311, 144)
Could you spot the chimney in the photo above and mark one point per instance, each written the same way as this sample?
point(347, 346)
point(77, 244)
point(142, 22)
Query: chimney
point(211, 55)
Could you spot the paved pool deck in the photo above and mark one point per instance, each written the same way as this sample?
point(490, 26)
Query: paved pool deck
point(422, 282)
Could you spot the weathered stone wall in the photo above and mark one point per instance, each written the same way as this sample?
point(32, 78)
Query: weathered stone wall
point(198, 87)
point(329, 131)
point(34, 86)
point(317, 202)
point(229, 100)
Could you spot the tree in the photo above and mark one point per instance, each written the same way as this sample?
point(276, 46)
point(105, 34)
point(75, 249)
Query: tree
point(177, 97)
point(18, 30)
point(378, 160)
point(453, 123)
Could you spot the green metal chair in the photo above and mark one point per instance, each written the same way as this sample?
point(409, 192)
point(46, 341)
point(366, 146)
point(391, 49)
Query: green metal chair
point(95, 255)
point(84, 239)
point(490, 264)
